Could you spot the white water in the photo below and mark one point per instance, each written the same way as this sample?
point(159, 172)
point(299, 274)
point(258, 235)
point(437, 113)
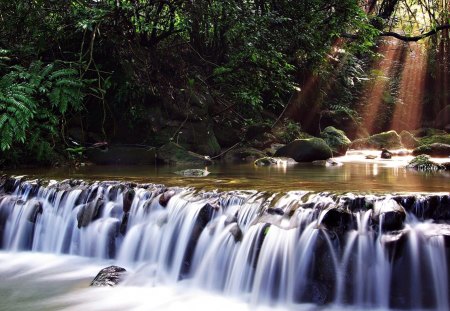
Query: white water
point(223, 249)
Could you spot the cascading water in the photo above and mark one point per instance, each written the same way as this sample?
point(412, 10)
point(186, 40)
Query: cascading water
point(287, 249)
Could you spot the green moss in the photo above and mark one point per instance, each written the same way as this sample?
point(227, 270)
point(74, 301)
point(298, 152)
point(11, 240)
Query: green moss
point(439, 138)
point(423, 163)
point(336, 140)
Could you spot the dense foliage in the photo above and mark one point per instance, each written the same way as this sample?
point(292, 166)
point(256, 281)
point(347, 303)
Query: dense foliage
point(102, 65)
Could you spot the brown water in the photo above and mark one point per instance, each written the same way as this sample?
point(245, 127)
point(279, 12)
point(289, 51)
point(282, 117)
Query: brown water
point(354, 175)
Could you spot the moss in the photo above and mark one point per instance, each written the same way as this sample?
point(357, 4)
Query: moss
point(336, 140)
point(439, 138)
point(423, 163)
point(389, 140)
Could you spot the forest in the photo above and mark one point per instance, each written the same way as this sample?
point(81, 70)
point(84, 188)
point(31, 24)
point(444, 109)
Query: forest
point(210, 74)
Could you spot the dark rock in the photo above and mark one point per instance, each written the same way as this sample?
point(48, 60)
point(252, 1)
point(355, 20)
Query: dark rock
point(256, 131)
point(385, 154)
point(124, 223)
point(275, 211)
point(89, 212)
point(306, 150)
point(128, 197)
point(435, 150)
point(173, 153)
point(226, 135)
point(326, 163)
point(109, 276)
point(336, 140)
point(35, 207)
point(389, 214)
point(165, 197)
point(338, 220)
point(198, 137)
point(236, 232)
point(243, 154)
point(442, 118)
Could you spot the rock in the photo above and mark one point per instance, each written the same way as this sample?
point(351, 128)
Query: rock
point(266, 161)
point(128, 197)
point(434, 150)
point(423, 163)
point(388, 139)
point(109, 276)
point(273, 148)
point(198, 137)
point(193, 172)
point(35, 207)
point(338, 220)
point(236, 232)
point(173, 153)
point(408, 140)
point(336, 140)
point(256, 131)
point(306, 150)
point(442, 138)
point(89, 212)
point(121, 154)
point(389, 214)
point(227, 135)
point(243, 154)
point(165, 197)
point(275, 211)
point(385, 154)
point(124, 223)
point(442, 118)
point(371, 157)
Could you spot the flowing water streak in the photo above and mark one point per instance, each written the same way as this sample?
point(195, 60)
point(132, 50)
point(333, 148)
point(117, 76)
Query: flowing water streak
point(266, 249)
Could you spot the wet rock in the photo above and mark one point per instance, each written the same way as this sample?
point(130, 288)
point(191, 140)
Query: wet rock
point(275, 211)
point(89, 212)
point(243, 155)
point(173, 153)
point(336, 140)
point(198, 137)
point(128, 197)
point(230, 219)
point(165, 197)
point(306, 150)
point(109, 276)
point(195, 172)
point(266, 161)
point(124, 223)
point(385, 154)
point(35, 209)
point(437, 150)
point(389, 214)
point(442, 118)
point(326, 163)
point(236, 232)
point(338, 220)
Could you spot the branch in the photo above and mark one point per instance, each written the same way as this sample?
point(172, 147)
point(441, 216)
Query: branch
point(415, 38)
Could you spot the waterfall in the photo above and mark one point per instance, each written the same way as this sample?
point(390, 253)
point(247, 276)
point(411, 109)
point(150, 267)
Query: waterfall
point(363, 251)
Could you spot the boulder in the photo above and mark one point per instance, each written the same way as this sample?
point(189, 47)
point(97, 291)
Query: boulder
point(306, 150)
point(408, 140)
point(389, 214)
point(385, 154)
point(109, 276)
point(227, 135)
point(173, 153)
point(265, 161)
point(243, 154)
point(165, 197)
point(388, 139)
point(128, 197)
point(437, 150)
point(198, 137)
point(423, 163)
point(336, 140)
point(34, 209)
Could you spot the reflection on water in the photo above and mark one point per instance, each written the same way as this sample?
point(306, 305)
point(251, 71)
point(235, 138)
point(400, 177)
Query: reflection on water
point(355, 175)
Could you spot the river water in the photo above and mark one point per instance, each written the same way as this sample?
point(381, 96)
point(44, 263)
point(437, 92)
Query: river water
point(279, 251)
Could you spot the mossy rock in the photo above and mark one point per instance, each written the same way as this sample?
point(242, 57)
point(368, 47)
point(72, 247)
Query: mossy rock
point(436, 138)
point(423, 163)
point(389, 140)
point(243, 155)
point(265, 161)
point(408, 140)
point(435, 150)
point(306, 150)
point(336, 140)
point(173, 153)
point(198, 137)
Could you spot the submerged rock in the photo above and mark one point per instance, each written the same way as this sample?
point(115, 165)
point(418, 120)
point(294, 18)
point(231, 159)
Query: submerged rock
point(109, 276)
point(193, 172)
point(306, 150)
point(336, 140)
